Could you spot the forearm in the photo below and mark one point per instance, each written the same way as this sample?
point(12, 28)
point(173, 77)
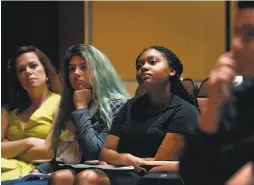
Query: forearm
point(174, 167)
point(149, 159)
point(210, 118)
point(90, 140)
point(11, 149)
point(39, 152)
point(112, 157)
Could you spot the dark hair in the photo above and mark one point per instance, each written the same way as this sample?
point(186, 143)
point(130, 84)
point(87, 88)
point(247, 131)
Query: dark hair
point(176, 83)
point(245, 4)
point(18, 96)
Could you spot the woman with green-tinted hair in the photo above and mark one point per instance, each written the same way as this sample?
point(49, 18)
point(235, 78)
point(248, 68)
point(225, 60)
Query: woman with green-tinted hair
point(93, 93)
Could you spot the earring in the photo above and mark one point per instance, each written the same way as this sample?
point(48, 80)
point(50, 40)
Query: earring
point(47, 82)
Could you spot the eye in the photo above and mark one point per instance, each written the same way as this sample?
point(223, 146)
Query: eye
point(248, 33)
point(33, 65)
point(20, 70)
point(139, 64)
point(72, 68)
point(152, 62)
point(83, 67)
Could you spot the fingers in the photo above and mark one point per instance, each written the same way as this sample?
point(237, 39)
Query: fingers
point(222, 75)
point(139, 169)
point(227, 60)
point(35, 171)
point(221, 79)
point(154, 169)
point(102, 163)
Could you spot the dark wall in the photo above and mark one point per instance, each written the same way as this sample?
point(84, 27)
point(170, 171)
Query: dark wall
point(50, 26)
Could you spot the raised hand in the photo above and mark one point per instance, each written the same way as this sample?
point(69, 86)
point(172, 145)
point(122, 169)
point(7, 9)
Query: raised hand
point(219, 90)
point(82, 98)
point(221, 80)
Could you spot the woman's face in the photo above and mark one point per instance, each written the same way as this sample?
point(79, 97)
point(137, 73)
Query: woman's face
point(153, 69)
point(31, 73)
point(79, 75)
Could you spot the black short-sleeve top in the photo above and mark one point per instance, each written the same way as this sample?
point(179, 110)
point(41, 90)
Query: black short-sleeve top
point(141, 127)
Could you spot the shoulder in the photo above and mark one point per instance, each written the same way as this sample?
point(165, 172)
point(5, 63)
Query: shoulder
point(184, 108)
point(55, 97)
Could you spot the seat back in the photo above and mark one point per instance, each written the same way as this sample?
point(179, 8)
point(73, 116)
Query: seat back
point(191, 86)
point(203, 89)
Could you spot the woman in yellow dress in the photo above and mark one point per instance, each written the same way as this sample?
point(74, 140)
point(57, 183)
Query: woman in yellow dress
point(26, 122)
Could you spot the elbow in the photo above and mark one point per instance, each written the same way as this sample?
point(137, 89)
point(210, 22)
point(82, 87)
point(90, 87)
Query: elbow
point(91, 153)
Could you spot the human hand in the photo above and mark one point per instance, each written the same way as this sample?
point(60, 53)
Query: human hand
point(35, 171)
point(221, 80)
point(130, 160)
point(82, 98)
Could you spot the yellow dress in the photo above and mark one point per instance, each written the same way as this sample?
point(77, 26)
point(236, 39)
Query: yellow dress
point(38, 125)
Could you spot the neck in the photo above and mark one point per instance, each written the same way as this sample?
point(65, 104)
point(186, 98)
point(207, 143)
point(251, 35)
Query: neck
point(159, 94)
point(38, 96)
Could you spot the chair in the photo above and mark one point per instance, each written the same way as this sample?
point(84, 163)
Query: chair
point(203, 89)
point(191, 86)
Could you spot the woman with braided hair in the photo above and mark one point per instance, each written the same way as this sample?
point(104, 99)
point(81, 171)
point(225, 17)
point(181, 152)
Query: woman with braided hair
point(149, 127)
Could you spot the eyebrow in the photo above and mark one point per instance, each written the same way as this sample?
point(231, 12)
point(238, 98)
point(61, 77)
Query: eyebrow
point(149, 58)
point(30, 62)
point(79, 64)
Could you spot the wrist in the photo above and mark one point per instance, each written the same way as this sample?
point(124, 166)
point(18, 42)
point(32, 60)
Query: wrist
point(81, 106)
point(209, 120)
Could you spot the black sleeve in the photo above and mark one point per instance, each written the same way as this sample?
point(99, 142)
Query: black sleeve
point(184, 120)
point(91, 139)
point(47, 167)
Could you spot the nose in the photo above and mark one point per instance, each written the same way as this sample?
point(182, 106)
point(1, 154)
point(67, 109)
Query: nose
point(144, 67)
point(237, 43)
point(28, 70)
point(77, 71)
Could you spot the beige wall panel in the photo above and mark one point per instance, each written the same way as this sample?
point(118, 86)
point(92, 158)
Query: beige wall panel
point(193, 30)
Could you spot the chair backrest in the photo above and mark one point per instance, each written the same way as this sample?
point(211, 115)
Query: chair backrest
point(191, 86)
point(203, 89)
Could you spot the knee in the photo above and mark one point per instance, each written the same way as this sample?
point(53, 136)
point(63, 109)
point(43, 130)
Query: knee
point(62, 177)
point(91, 177)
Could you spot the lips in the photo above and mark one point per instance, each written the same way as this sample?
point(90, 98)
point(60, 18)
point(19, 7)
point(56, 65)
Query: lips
point(145, 76)
point(79, 82)
point(31, 79)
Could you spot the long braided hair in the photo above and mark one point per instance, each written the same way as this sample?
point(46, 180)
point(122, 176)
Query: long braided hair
point(177, 86)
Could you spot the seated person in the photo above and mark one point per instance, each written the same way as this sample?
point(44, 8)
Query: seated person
point(26, 122)
point(222, 149)
point(149, 127)
point(93, 92)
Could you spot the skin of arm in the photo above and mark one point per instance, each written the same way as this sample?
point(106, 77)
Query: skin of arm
point(170, 149)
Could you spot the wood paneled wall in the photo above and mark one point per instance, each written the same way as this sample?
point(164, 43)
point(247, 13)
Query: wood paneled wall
point(195, 31)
